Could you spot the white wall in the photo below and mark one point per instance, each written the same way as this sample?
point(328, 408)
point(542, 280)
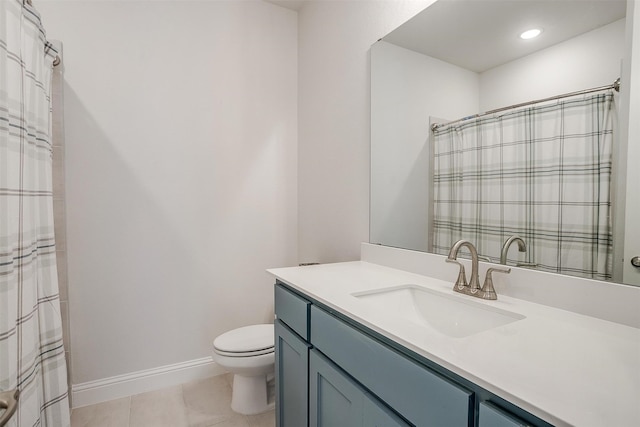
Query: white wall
point(406, 89)
point(590, 60)
point(334, 121)
point(181, 173)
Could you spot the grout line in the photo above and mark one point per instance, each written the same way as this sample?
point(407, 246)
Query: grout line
point(129, 413)
point(184, 404)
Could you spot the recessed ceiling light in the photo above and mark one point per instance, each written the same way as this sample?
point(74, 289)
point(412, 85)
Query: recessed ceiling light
point(529, 34)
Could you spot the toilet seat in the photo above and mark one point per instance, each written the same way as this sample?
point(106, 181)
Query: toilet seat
point(243, 353)
point(247, 341)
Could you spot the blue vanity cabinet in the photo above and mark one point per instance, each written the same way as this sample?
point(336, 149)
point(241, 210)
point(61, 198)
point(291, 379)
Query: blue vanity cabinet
point(292, 362)
point(415, 392)
point(331, 371)
point(293, 311)
point(492, 416)
point(378, 415)
point(336, 400)
point(292, 359)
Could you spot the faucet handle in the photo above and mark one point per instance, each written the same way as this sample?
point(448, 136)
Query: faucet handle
point(488, 291)
point(461, 282)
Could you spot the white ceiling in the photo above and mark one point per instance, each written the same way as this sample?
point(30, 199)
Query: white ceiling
point(481, 34)
point(289, 4)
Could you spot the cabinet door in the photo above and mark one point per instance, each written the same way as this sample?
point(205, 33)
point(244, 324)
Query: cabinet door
point(292, 385)
point(378, 415)
point(491, 416)
point(334, 399)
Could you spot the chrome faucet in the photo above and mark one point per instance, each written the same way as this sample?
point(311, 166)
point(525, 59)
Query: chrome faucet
point(473, 287)
point(522, 247)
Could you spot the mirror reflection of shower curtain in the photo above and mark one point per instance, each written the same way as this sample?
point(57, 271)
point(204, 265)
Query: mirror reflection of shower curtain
point(32, 358)
point(542, 172)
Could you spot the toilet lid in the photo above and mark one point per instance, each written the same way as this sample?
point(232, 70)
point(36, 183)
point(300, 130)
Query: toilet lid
point(246, 340)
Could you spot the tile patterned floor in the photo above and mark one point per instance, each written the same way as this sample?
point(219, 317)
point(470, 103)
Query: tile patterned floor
point(201, 403)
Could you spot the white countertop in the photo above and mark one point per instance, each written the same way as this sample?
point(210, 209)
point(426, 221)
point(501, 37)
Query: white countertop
point(566, 368)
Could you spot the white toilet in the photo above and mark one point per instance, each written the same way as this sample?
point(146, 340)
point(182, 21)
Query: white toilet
point(248, 353)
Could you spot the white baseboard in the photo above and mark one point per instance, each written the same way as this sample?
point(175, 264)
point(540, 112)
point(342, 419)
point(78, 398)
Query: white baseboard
point(119, 386)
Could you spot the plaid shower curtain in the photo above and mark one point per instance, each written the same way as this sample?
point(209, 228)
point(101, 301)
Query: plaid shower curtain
point(31, 351)
point(541, 172)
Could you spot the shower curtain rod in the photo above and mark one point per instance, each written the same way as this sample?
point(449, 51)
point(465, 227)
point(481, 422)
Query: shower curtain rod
point(56, 61)
point(615, 85)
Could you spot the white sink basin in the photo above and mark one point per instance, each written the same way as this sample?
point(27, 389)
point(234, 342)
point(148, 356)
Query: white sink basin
point(453, 315)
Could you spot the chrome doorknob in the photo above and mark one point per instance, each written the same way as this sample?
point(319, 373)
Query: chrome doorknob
point(635, 261)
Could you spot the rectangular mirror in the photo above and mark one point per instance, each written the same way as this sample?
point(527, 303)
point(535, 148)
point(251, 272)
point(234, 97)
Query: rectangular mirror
point(460, 58)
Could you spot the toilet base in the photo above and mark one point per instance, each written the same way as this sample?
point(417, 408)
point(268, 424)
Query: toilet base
point(250, 395)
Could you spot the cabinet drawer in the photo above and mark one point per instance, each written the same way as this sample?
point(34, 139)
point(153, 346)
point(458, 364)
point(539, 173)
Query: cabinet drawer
point(491, 416)
point(420, 395)
point(293, 310)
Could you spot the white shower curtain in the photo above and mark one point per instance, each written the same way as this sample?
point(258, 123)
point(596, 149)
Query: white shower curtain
point(541, 172)
point(31, 351)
